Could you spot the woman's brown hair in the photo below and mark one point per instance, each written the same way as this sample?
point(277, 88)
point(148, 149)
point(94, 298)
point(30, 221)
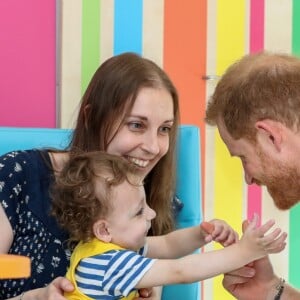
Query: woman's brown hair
point(109, 97)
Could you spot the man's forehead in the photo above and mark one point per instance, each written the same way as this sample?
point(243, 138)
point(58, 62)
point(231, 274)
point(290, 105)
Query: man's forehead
point(235, 147)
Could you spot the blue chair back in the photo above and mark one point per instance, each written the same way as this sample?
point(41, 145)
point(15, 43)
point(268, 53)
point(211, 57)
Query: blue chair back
point(188, 188)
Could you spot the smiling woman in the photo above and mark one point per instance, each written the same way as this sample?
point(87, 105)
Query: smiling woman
point(187, 184)
point(130, 109)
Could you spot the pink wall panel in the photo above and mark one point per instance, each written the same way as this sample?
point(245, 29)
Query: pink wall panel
point(27, 63)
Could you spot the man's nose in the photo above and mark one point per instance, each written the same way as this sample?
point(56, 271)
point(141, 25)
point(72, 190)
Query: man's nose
point(248, 178)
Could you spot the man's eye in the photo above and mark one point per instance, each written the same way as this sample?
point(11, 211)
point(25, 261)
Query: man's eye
point(242, 158)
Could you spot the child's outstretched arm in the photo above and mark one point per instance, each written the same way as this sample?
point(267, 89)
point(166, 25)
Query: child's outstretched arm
point(255, 243)
point(263, 244)
point(184, 241)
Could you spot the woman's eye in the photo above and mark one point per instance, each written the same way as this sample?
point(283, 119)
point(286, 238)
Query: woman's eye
point(135, 125)
point(165, 129)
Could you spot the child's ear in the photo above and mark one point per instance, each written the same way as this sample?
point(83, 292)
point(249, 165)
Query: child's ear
point(101, 232)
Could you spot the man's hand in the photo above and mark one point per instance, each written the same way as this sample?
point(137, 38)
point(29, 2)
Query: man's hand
point(252, 281)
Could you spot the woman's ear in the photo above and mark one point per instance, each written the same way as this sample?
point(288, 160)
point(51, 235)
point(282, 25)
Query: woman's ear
point(101, 232)
point(271, 132)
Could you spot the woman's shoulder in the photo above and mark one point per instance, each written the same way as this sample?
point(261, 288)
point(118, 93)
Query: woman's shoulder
point(21, 175)
point(31, 155)
point(22, 160)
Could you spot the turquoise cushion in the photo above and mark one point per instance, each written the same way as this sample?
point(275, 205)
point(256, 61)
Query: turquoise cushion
point(188, 188)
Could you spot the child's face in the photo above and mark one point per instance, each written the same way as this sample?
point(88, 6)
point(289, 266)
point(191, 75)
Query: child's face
point(130, 218)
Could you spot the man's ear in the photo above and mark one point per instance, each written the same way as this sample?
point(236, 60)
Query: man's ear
point(270, 131)
point(101, 232)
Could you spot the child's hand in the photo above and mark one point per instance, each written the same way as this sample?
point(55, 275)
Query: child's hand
point(219, 231)
point(256, 239)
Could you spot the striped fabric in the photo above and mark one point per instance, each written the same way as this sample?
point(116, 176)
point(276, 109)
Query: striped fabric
point(112, 274)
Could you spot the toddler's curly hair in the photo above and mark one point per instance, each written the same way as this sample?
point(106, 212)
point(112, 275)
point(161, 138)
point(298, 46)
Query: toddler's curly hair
point(76, 203)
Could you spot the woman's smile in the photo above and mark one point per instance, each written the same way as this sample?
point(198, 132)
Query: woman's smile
point(141, 163)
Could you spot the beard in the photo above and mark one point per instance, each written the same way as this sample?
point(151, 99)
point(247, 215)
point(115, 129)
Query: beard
point(282, 182)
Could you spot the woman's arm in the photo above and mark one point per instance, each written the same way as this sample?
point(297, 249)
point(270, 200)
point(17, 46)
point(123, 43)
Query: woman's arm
point(6, 236)
point(9, 216)
point(54, 291)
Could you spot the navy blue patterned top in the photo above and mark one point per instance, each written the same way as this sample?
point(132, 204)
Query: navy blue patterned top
point(25, 178)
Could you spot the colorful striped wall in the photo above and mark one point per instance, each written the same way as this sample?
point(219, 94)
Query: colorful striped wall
point(27, 63)
point(189, 39)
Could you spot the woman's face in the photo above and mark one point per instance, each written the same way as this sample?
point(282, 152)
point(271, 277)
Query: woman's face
point(143, 137)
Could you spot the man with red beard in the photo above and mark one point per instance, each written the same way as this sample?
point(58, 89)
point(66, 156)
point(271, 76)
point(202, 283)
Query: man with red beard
point(256, 107)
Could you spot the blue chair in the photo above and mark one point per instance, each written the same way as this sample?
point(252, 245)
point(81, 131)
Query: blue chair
point(188, 187)
point(188, 190)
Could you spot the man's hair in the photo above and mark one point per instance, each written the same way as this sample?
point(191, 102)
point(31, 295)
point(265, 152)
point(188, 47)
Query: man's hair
point(257, 87)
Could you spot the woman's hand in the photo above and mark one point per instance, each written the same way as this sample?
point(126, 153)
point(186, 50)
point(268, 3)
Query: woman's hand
point(144, 293)
point(54, 291)
point(150, 293)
